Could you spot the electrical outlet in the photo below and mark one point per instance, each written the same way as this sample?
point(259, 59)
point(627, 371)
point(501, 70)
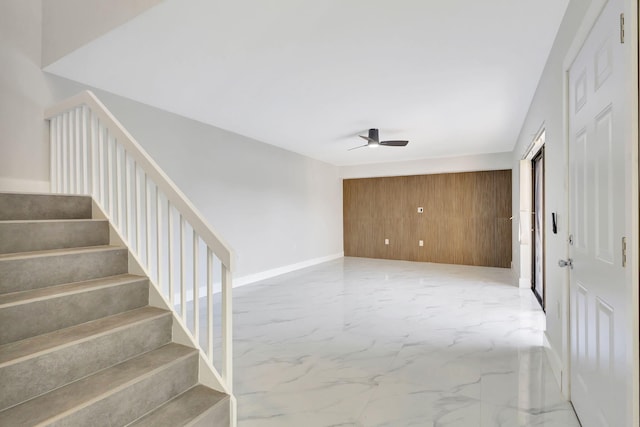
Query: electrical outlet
point(420, 210)
point(386, 241)
point(420, 242)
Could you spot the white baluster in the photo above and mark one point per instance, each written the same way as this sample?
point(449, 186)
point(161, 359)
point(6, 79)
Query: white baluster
point(94, 152)
point(86, 155)
point(109, 176)
point(171, 254)
point(71, 153)
point(101, 168)
point(120, 194)
point(59, 169)
point(210, 304)
point(196, 308)
point(147, 212)
point(146, 200)
point(53, 137)
point(78, 154)
point(65, 148)
point(128, 199)
point(227, 331)
point(159, 240)
point(183, 272)
point(137, 209)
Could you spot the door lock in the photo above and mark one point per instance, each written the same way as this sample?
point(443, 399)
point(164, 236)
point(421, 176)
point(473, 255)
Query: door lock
point(566, 263)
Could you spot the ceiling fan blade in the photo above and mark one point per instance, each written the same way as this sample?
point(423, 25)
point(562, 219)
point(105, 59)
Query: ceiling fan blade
point(367, 138)
point(394, 143)
point(359, 146)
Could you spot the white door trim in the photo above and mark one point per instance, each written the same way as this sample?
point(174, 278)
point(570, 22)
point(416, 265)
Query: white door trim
point(631, 10)
point(525, 213)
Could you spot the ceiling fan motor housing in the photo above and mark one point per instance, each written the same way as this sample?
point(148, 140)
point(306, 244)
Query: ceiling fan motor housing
point(373, 134)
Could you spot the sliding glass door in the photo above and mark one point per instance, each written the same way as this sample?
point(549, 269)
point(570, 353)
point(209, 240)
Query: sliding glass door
point(537, 276)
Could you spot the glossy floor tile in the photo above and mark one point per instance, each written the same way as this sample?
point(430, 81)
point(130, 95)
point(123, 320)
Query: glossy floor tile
point(361, 342)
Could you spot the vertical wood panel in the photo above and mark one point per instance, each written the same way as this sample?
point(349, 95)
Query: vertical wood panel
point(466, 218)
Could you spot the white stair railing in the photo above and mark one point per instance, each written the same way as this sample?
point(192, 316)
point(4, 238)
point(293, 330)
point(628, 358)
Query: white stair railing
point(93, 154)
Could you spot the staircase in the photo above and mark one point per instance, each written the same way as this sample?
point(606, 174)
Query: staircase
point(79, 343)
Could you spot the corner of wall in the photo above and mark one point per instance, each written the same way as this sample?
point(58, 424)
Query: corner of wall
point(69, 24)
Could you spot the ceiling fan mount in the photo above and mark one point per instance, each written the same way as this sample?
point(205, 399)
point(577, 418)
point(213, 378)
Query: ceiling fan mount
point(373, 140)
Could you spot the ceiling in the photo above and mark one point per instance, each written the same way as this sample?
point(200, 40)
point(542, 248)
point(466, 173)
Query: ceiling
point(455, 77)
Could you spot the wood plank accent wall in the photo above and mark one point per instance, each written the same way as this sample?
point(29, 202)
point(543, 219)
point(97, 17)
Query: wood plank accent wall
point(465, 219)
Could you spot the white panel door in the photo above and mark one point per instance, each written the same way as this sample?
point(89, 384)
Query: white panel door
point(599, 318)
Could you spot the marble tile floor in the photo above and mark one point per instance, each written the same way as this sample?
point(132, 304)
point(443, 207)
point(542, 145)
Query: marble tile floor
point(362, 342)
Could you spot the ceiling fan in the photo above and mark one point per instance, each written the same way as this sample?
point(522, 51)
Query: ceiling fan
point(374, 141)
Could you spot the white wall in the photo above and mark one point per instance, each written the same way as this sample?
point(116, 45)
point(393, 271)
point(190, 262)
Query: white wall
point(24, 90)
point(69, 24)
point(547, 110)
point(274, 207)
point(277, 209)
point(480, 162)
point(24, 160)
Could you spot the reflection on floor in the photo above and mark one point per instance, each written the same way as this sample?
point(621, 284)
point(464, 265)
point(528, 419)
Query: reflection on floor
point(361, 342)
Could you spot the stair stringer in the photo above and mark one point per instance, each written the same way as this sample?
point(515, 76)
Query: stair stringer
point(207, 373)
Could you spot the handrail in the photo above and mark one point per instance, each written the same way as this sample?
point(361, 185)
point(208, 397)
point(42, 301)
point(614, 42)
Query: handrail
point(177, 198)
point(92, 153)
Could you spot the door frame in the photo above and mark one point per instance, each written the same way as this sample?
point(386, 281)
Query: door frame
point(539, 155)
point(526, 208)
point(631, 9)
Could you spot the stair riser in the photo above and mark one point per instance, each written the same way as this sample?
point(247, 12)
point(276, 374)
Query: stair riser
point(33, 273)
point(36, 206)
point(31, 377)
point(218, 416)
point(199, 406)
point(42, 316)
point(135, 400)
point(38, 236)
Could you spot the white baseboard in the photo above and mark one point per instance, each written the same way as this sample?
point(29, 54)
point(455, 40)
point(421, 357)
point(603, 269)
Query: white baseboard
point(554, 361)
point(252, 278)
point(267, 274)
point(16, 185)
point(524, 282)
